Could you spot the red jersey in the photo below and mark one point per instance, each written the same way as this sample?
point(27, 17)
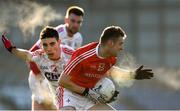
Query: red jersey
point(86, 67)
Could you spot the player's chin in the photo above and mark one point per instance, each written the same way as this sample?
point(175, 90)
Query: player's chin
point(75, 31)
point(116, 54)
point(50, 55)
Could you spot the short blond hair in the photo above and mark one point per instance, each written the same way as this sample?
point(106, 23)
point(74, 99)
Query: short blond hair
point(75, 10)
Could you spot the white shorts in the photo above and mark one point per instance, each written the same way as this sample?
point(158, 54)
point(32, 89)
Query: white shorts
point(40, 89)
point(68, 98)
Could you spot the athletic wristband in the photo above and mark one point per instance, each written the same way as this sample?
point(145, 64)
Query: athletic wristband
point(10, 49)
point(85, 92)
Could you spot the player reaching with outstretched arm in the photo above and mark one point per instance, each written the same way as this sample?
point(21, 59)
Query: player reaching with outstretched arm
point(87, 66)
point(50, 59)
point(69, 35)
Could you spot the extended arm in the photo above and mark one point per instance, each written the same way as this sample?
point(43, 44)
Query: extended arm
point(125, 78)
point(138, 74)
point(21, 53)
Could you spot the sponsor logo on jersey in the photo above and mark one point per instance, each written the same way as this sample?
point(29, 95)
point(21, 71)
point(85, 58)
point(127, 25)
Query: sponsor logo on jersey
point(52, 76)
point(91, 75)
point(54, 68)
point(43, 67)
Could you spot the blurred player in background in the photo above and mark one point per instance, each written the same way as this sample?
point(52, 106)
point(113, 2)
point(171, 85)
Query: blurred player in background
point(69, 34)
point(87, 66)
point(50, 60)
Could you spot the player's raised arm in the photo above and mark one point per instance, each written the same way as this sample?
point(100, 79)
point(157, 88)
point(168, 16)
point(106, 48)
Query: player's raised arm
point(126, 78)
point(21, 53)
point(35, 47)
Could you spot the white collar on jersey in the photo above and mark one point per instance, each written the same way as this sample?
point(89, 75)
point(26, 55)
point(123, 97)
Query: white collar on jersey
point(97, 49)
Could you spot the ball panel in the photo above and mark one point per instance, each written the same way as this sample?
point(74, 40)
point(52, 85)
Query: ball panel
point(106, 88)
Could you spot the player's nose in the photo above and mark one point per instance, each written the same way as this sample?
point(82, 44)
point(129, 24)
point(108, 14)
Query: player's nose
point(76, 25)
point(48, 49)
point(120, 49)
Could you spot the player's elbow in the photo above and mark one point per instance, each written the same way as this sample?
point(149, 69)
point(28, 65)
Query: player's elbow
point(64, 81)
point(61, 83)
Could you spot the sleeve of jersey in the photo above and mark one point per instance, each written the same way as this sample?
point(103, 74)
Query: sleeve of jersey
point(35, 47)
point(33, 65)
point(74, 67)
point(68, 50)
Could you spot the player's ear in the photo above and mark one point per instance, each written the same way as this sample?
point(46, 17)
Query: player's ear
point(66, 20)
point(59, 41)
point(41, 45)
point(110, 43)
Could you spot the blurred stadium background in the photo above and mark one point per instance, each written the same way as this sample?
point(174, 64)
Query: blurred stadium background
point(152, 27)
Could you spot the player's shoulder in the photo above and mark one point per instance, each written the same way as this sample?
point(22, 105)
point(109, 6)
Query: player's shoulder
point(38, 55)
point(113, 60)
point(38, 52)
point(78, 35)
point(67, 49)
point(60, 28)
point(87, 48)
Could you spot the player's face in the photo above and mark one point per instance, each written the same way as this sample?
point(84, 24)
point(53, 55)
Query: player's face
point(116, 46)
point(74, 23)
point(51, 48)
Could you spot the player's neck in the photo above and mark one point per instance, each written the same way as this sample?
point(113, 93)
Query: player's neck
point(69, 33)
point(55, 59)
point(102, 52)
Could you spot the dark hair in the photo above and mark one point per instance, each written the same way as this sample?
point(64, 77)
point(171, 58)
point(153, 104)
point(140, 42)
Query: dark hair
point(49, 32)
point(75, 10)
point(112, 33)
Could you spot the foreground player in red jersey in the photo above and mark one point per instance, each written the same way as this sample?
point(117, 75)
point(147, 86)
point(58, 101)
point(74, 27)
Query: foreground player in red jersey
point(87, 66)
